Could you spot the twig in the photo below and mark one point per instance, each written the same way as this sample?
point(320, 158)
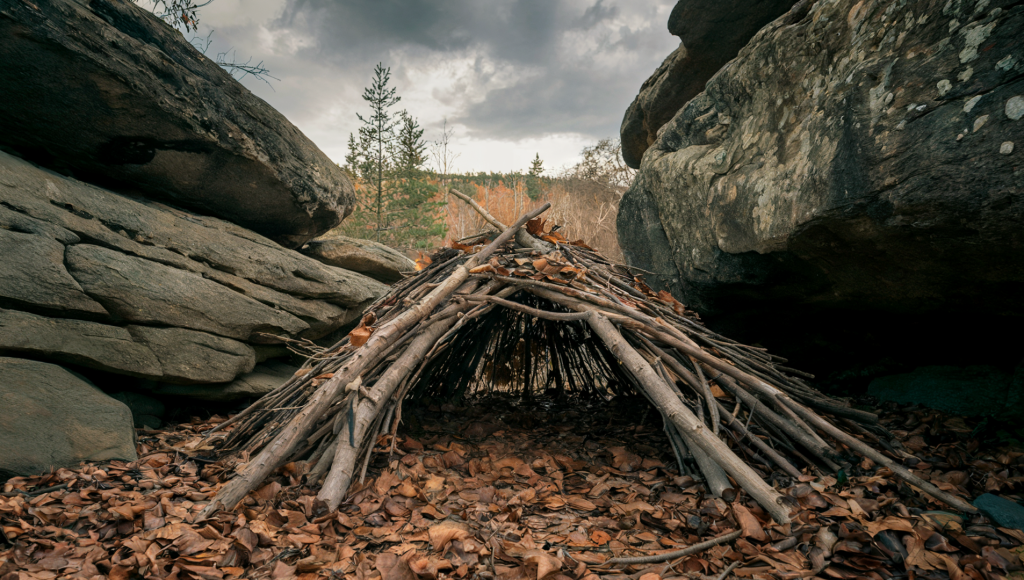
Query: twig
point(523, 238)
point(34, 492)
point(688, 551)
point(731, 567)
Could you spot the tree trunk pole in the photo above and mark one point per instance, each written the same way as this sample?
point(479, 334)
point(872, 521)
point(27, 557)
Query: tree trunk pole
point(345, 455)
point(686, 422)
point(867, 451)
point(276, 451)
point(523, 238)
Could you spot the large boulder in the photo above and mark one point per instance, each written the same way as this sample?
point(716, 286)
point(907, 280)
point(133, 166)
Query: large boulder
point(264, 378)
point(711, 33)
point(862, 160)
point(53, 418)
point(107, 92)
point(102, 281)
point(138, 290)
point(367, 257)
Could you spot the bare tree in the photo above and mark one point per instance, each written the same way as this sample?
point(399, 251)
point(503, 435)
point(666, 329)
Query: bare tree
point(181, 14)
point(444, 160)
point(184, 16)
point(585, 198)
point(603, 163)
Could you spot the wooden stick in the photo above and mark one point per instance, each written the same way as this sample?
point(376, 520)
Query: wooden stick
point(699, 385)
point(823, 452)
point(714, 475)
point(548, 315)
point(686, 422)
point(345, 454)
point(689, 551)
point(716, 479)
point(276, 451)
point(781, 462)
point(867, 451)
point(730, 568)
point(523, 238)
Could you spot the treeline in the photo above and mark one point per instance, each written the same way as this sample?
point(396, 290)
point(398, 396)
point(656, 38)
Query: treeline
point(404, 204)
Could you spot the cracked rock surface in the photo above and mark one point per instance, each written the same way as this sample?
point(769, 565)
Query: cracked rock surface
point(859, 158)
point(102, 281)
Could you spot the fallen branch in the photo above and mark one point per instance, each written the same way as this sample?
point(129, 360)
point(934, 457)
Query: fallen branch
point(688, 551)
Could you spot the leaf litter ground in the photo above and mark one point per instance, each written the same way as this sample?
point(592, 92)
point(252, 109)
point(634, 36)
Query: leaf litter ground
point(513, 490)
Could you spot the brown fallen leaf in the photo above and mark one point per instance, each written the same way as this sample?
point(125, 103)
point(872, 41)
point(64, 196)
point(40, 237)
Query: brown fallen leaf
point(748, 523)
point(445, 532)
point(392, 567)
point(888, 523)
point(545, 562)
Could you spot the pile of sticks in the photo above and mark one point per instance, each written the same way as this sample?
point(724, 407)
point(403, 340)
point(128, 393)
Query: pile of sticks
point(533, 311)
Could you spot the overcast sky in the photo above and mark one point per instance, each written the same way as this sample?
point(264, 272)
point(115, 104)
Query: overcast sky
point(513, 77)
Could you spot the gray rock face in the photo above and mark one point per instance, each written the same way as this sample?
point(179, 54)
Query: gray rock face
point(850, 160)
point(364, 256)
point(186, 297)
point(264, 378)
point(105, 91)
point(90, 344)
point(174, 355)
point(52, 418)
point(34, 273)
point(137, 290)
point(187, 356)
point(711, 34)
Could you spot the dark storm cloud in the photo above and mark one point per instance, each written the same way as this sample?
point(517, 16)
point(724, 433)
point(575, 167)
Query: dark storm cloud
point(575, 65)
point(523, 30)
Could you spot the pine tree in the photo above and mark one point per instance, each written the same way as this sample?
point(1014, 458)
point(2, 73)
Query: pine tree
point(536, 166)
point(387, 158)
point(412, 212)
point(411, 150)
point(377, 137)
point(533, 184)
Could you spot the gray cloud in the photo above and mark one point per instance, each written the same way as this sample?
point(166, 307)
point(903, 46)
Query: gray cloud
point(522, 30)
point(541, 66)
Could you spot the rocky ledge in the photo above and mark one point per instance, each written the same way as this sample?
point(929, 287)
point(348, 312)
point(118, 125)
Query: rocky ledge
point(108, 93)
point(127, 286)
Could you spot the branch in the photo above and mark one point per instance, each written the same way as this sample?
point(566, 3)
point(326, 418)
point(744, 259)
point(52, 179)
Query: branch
point(678, 553)
point(523, 238)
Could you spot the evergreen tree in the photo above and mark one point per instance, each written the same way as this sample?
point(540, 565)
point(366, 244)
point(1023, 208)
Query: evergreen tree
point(533, 183)
point(374, 150)
point(536, 166)
point(387, 158)
point(411, 150)
point(413, 215)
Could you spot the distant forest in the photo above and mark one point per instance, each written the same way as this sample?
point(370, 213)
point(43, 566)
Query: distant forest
point(402, 184)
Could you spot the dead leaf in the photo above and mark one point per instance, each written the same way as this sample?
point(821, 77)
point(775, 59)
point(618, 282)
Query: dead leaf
point(445, 532)
point(545, 563)
point(748, 523)
point(391, 567)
